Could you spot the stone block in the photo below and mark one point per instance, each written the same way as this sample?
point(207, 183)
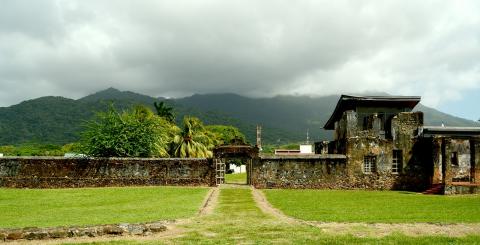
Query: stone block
point(15, 235)
point(58, 233)
point(157, 228)
point(113, 230)
point(36, 235)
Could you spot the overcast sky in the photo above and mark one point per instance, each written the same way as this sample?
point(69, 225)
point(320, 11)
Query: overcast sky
point(254, 48)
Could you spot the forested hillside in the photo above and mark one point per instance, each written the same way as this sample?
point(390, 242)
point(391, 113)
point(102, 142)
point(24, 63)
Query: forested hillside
point(284, 119)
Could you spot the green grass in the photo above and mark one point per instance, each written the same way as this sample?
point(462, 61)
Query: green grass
point(237, 220)
point(240, 178)
point(89, 206)
point(375, 206)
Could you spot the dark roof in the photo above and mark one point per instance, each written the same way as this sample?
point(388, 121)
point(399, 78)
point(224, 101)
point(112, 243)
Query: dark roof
point(235, 151)
point(449, 131)
point(350, 102)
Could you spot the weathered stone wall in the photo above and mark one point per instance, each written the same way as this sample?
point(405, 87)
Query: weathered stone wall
point(359, 147)
point(437, 159)
point(371, 140)
point(50, 172)
point(452, 189)
point(458, 170)
point(404, 129)
point(309, 171)
point(475, 145)
point(322, 172)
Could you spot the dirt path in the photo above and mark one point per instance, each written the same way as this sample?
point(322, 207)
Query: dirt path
point(409, 229)
point(267, 208)
point(210, 202)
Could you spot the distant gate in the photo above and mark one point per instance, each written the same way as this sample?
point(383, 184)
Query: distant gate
point(241, 151)
point(220, 170)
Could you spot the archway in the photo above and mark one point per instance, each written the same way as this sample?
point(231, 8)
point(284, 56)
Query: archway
point(223, 153)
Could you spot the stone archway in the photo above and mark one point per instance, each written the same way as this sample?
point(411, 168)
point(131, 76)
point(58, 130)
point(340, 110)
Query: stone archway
point(238, 151)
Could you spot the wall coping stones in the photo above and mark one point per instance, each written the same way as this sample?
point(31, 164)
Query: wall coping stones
point(100, 158)
point(303, 156)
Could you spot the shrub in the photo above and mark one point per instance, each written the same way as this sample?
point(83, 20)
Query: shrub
point(132, 133)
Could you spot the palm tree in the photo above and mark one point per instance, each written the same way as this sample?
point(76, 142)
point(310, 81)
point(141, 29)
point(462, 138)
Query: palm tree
point(164, 111)
point(193, 140)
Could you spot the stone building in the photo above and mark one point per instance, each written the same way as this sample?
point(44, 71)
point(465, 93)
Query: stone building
point(454, 154)
point(387, 147)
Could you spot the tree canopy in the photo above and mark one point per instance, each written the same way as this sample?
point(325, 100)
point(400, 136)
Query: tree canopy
point(226, 134)
point(164, 111)
point(132, 133)
point(138, 132)
point(194, 140)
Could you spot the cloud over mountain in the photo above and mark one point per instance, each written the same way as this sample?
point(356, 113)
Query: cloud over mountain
point(256, 48)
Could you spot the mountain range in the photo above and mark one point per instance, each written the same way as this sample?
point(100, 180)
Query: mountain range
point(284, 119)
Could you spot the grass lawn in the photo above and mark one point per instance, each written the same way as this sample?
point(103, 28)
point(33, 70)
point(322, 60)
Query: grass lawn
point(89, 206)
point(237, 220)
point(375, 206)
point(240, 178)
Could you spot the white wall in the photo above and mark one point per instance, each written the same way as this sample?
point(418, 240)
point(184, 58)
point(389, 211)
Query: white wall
point(239, 169)
point(306, 149)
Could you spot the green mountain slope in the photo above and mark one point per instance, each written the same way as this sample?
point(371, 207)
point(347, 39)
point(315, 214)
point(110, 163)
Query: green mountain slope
point(284, 118)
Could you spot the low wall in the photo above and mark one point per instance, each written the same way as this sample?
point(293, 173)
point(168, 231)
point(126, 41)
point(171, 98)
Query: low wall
point(454, 189)
point(324, 171)
point(299, 171)
point(58, 172)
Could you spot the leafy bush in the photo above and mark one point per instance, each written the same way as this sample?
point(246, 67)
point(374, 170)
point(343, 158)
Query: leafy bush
point(132, 133)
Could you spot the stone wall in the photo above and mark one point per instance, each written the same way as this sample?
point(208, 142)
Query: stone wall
point(475, 146)
point(453, 189)
point(297, 171)
point(324, 172)
point(57, 172)
point(458, 166)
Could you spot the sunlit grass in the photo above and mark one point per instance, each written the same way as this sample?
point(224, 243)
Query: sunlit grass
point(238, 220)
point(239, 178)
point(89, 206)
point(375, 206)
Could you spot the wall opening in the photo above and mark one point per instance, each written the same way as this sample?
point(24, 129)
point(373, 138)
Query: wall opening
point(397, 162)
point(370, 164)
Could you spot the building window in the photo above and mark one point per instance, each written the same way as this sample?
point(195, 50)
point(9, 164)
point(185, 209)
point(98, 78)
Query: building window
point(454, 160)
point(397, 161)
point(369, 164)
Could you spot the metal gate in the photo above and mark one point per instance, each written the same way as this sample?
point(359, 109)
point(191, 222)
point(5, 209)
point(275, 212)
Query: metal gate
point(220, 170)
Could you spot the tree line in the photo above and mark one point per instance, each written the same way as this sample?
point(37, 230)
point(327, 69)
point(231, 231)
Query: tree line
point(139, 132)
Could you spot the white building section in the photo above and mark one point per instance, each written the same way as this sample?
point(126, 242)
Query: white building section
point(238, 169)
point(306, 149)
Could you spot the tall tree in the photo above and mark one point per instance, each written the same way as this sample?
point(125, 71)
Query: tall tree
point(193, 140)
point(164, 111)
point(132, 133)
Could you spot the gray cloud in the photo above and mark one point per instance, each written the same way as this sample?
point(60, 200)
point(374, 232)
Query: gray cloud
point(256, 48)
